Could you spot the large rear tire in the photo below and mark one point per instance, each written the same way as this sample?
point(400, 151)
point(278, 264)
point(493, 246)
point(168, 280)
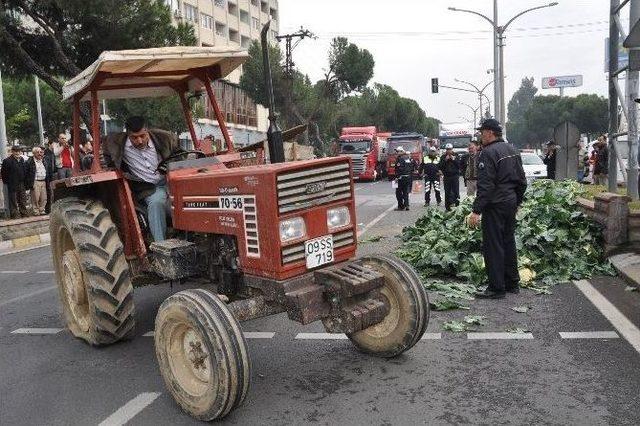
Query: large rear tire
point(408, 314)
point(202, 354)
point(91, 271)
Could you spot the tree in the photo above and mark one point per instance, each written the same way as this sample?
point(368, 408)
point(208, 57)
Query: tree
point(56, 39)
point(164, 112)
point(591, 114)
point(518, 105)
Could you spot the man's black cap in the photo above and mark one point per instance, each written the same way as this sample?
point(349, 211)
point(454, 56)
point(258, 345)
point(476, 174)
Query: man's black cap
point(549, 143)
point(490, 124)
point(16, 148)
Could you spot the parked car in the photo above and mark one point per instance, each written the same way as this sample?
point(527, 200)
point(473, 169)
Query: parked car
point(533, 166)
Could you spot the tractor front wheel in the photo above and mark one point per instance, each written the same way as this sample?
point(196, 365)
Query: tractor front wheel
point(91, 271)
point(408, 314)
point(202, 354)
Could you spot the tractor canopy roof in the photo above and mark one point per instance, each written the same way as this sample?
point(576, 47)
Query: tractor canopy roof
point(143, 73)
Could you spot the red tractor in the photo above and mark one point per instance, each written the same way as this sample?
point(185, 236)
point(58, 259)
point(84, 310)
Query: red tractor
point(260, 239)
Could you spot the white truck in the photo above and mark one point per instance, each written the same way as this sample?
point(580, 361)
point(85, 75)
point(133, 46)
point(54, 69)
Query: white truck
point(457, 134)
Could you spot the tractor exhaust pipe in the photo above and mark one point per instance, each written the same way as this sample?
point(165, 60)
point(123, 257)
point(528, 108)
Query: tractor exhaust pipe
point(274, 134)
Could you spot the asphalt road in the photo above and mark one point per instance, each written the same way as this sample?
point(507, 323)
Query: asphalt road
point(543, 376)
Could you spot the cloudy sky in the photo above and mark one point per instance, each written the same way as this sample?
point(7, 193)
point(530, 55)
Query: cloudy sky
point(414, 40)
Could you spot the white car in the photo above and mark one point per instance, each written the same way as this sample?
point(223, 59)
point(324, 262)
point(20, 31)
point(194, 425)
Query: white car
point(533, 166)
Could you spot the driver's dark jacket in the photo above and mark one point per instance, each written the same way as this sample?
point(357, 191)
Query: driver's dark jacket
point(501, 178)
point(166, 144)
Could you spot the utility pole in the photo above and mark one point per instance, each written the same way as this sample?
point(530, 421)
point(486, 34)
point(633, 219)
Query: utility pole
point(496, 64)
point(3, 149)
point(39, 109)
point(301, 35)
point(632, 95)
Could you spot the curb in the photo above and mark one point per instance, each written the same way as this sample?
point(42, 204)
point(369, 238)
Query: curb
point(24, 243)
point(628, 267)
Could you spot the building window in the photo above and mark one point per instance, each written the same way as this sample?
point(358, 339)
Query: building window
point(254, 2)
point(207, 21)
point(245, 42)
point(274, 14)
point(219, 3)
point(233, 9)
point(234, 36)
point(264, 7)
point(255, 23)
point(190, 13)
point(244, 16)
point(221, 29)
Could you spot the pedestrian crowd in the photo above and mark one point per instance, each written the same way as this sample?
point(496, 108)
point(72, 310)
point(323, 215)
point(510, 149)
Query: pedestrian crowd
point(33, 174)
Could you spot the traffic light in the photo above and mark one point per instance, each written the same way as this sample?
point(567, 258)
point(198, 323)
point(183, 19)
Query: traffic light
point(434, 85)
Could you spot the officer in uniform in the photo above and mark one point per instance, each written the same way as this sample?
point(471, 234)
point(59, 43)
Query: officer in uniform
point(450, 168)
point(405, 166)
point(431, 171)
point(501, 187)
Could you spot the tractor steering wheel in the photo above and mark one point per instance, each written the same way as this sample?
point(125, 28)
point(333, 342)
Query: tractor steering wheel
point(162, 166)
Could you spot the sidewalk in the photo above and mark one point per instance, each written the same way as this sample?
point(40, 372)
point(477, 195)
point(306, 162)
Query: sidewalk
point(628, 267)
point(16, 234)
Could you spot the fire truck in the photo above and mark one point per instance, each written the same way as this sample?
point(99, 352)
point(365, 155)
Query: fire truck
point(367, 150)
point(413, 144)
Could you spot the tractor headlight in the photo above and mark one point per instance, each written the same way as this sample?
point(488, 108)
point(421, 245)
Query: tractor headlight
point(292, 229)
point(338, 218)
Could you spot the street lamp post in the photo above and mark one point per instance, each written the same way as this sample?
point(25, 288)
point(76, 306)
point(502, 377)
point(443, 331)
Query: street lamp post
point(498, 54)
point(475, 112)
point(479, 91)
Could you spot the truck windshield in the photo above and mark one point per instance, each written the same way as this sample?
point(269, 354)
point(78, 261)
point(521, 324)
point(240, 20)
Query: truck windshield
point(408, 145)
point(458, 142)
point(351, 147)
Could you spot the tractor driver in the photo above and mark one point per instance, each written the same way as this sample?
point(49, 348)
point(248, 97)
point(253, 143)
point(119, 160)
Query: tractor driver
point(138, 152)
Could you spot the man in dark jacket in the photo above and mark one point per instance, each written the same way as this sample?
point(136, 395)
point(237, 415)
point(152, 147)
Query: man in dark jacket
point(13, 175)
point(431, 171)
point(404, 167)
point(601, 168)
point(52, 172)
point(450, 168)
point(550, 160)
point(501, 187)
point(138, 153)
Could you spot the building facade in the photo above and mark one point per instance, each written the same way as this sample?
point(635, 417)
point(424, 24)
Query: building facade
point(230, 23)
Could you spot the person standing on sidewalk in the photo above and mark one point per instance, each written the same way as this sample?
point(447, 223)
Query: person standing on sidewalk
point(64, 157)
point(52, 172)
point(601, 168)
point(471, 171)
point(450, 168)
point(405, 166)
point(550, 160)
point(36, 181)
point(429, 168)
point(501, 187)
point(13, 175)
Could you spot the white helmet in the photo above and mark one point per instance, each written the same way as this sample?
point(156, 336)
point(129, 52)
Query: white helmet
point(448, 146)
point(400, 150)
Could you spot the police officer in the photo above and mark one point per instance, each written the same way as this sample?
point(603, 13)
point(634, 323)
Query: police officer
point(404, 167)
point(429, 167)
point(450, 168)
point(501, 186)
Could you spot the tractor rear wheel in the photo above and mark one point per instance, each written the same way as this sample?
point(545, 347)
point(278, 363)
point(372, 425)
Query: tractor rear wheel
point(202, 354)
point(408, 314)
point(91, 271)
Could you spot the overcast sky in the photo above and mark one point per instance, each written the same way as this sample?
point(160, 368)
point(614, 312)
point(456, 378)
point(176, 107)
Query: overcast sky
point(414, 40)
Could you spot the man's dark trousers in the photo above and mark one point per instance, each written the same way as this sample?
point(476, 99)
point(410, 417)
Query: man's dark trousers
point(499, 246)
point(402, 191)
point(17, 201)
point(451, 191)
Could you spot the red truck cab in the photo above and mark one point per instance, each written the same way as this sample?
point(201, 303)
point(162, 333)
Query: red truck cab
point(412, 143)
point(365, 149)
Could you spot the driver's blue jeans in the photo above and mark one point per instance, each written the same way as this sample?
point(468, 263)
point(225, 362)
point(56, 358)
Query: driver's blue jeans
point(157, 213)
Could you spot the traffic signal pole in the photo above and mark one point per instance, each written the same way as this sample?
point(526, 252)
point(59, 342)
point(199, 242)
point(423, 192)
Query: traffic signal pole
point(632, 95)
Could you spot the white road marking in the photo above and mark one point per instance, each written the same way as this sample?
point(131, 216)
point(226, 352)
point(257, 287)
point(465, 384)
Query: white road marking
point(589, 335)
point(499, 336)
point(130, 409)
point(258, 334)
point(13, 272)
point(431, 336)
point(26, 296)
point(149, 334)
point(37, 331)
point(46, 272)
point(625, 327)
point(24, 249)
point(374, 221)
point(320, 336)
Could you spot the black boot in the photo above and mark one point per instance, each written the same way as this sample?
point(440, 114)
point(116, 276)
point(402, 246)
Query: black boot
point(490, 294)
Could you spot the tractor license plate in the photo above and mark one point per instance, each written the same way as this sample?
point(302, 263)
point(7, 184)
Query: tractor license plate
point(319, 251)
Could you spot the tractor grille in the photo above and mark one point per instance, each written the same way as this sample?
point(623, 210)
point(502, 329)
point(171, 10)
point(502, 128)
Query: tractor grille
point(309, 188)
point(359, 162)
point(295, 253)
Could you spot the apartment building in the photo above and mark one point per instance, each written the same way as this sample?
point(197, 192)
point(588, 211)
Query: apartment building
point(230, 23)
